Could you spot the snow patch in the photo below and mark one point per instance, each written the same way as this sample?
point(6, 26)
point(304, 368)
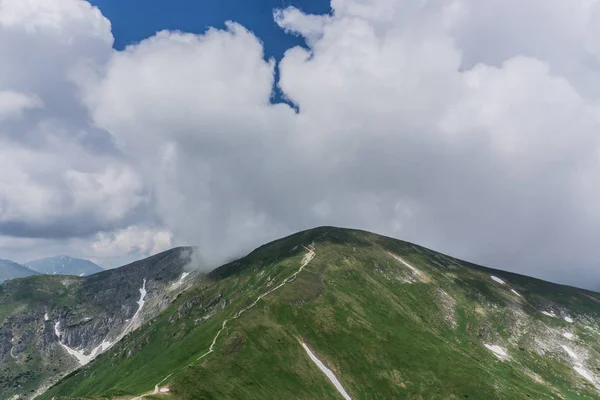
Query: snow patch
point(549, 314)
point(327, 372)
point(80, 355)
point(415, 272)
point(141, 301)
point(495, 278)
point(497, 350)
point(569, 319)
point(570, 352)
point(413, 269)
point(164, 390)
point(46, 317)
point(515, 292)
point(579, 368)
point(585, 373)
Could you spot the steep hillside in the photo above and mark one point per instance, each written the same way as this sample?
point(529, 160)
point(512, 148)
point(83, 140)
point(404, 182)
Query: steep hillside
point(64, 265)
point(51, 324)
point(12, 270)
point(332, 313)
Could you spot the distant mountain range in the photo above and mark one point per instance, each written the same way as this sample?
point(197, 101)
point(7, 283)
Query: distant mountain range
point(64, 265)
point(12, 270)
point(59, 265)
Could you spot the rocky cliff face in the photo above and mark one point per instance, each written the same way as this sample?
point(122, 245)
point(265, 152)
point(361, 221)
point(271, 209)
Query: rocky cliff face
point(51, 325)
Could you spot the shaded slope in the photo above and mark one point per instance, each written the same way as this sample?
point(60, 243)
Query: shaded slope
point(51, 324)
point(388, 318)
point(64, 265)
point(12, 270)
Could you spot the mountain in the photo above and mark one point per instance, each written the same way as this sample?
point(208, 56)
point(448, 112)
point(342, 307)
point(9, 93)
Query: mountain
point(12, 270)
point(327, 313)
point(52, 324)
point(64, 265)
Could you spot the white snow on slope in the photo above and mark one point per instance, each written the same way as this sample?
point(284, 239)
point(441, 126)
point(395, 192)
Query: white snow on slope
point(495, 278)
point(515, 292)
point(579, 368)
point(549, 314)
point(327, 372)
point(497, 350)
point(141, 301)
point(80, 355)
point(570, 352)
point(585, 373)
point(413, 269)
point(180, 281)
point(569, 319)
point(57, 329)
point(46, 317)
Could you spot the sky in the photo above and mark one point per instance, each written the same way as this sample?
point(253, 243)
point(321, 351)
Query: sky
point(469, 128)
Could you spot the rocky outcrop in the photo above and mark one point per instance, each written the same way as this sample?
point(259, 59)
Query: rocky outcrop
point(60, 322)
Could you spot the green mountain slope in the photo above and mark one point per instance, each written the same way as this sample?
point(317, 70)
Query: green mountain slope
point(64, 265)
point(388, 318)
point(12, 270)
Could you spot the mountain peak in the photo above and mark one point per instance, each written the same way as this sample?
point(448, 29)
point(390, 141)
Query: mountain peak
point(11, 270)
point(64, 265)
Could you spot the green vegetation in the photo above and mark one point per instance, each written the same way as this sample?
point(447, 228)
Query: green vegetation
point(385, 330)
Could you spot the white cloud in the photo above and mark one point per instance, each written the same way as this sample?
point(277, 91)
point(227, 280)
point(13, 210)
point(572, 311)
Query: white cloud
point(60, 18)
point(60, 176)
point(134, 240)
point(295, 21)
point(13, 104)
point(440, 122)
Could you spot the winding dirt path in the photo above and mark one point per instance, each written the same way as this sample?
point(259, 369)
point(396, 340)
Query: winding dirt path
point(305, 261)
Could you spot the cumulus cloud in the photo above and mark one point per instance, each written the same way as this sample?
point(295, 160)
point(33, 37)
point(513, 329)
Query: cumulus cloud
point(13, 104)
point(131, 241)
point(438, 122)
point(61, 178)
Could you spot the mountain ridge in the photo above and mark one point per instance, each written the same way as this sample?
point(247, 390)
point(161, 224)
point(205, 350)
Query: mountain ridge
point(386, 318)
point(12, 270)
point(64, 265)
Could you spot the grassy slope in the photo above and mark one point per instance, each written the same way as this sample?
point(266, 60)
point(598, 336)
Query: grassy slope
point(383, 338)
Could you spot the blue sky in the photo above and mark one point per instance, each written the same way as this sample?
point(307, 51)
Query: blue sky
point(135, 20)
